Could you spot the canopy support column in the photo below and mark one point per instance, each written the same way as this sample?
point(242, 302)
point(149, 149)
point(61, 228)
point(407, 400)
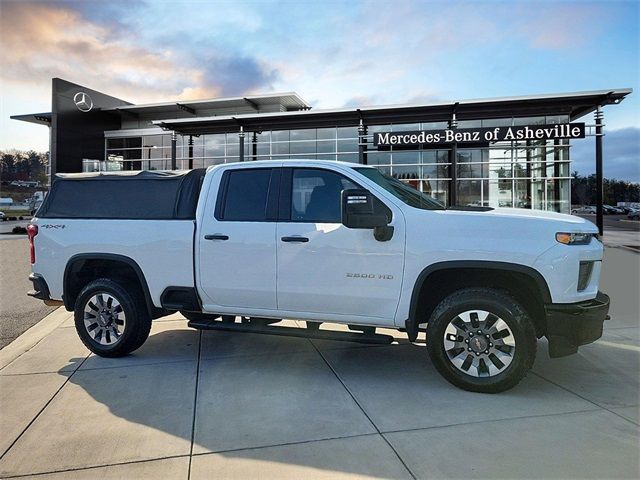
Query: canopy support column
point(599, 116)
point(453, 163)
point(174, 143)
point(241, 139)
point(362, 143)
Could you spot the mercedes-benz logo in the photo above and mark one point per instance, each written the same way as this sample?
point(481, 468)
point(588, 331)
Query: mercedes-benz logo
point(83, 101)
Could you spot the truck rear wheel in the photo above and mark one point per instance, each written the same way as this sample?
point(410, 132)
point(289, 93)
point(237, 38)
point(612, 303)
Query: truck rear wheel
point(111, 319)
point(481, 340)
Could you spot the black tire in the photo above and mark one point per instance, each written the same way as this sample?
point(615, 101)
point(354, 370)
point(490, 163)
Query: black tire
point(138, 321)
point(507, 309)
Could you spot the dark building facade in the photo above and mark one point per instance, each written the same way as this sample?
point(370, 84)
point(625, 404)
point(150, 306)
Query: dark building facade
point(507, 152)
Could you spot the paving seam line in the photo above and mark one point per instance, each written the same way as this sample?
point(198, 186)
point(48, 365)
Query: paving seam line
point(155, 459)
point(42, 409)
point(286, 444)
point(479, 422)
point(195, 404)
point(587, 400)
point(364, 412)
point(93, 467)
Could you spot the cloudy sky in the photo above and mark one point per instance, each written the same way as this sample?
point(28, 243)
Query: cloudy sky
point(333, 53)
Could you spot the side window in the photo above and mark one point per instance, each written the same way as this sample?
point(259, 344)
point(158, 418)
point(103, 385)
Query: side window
point(315, 195)
point(245, 196)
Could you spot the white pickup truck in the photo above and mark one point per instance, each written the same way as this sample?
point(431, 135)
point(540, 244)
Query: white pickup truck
point(319, 241)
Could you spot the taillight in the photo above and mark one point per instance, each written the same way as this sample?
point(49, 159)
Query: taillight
point(32, 231)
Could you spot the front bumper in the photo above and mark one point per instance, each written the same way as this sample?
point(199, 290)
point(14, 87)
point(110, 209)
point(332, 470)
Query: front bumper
point(573, 324)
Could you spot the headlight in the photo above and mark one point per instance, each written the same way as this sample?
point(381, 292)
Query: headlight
point(575, 238)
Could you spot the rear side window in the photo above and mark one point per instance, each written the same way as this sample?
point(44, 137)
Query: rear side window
point(245, 195)
point(113, 199)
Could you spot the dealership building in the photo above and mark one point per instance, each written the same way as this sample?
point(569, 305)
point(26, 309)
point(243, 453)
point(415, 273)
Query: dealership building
point(498, 152)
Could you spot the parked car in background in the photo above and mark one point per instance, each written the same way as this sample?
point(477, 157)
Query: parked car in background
point(2, 215)
point(588, 209)
point(634, 214)
point(628, 207)
point(611, 210)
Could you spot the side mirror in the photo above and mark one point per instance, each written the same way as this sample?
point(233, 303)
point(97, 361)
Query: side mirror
point(360, 209)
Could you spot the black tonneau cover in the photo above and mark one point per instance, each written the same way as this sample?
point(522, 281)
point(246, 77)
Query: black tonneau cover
point(146, 195)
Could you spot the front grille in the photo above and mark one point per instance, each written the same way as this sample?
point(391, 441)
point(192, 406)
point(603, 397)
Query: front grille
point(584, 275)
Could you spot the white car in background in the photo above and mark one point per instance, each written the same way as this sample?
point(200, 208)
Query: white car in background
point(588, 209)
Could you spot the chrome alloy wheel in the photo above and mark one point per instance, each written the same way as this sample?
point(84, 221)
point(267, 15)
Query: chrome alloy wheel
point(104, 319)
point(479, 343)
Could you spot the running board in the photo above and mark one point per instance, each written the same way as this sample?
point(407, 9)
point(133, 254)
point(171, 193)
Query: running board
point(375, 338)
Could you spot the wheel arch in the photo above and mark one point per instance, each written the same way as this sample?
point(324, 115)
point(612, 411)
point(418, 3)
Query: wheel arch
point(523, 282)
point(85, 267)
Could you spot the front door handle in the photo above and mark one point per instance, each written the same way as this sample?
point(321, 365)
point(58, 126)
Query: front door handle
point(295, 239)
point(216, 237)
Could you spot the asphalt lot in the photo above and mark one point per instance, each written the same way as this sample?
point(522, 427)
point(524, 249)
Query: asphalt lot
point(18, 312)
point(616, 222)
point(193, 405)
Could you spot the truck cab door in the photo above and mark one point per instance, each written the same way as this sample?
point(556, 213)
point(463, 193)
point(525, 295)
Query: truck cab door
point(236, 249)
point(325, 267)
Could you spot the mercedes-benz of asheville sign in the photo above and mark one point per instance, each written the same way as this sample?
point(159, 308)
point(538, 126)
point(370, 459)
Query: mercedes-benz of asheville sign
point(484, 135)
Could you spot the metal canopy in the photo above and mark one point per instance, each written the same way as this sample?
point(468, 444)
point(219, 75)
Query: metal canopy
point(575, 105)
point(39, 118)
point(286, 101)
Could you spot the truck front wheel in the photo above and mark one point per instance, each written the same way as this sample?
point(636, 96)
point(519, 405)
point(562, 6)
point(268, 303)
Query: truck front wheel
point(111, 319)
point(481, 340)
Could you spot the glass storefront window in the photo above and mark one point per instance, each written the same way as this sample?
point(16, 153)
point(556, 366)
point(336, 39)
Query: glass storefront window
point(379, 158)
point(497, 122)
point(469, 192)
point(326, 133)
point(405, 127)
point(280, 136)
point(529, 121)
point(303, 147)
point(326, 146)
point(525, 174)
point(409, 157)
point(347, 132)
point(280, 148)
point(349, 157)
point(469, 123)
point(214, 145)
point(405, 172)
point(306, 134)
point(348, 145)
point(434, 125)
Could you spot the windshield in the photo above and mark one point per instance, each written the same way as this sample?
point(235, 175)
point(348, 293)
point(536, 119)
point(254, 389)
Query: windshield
point(407, 194)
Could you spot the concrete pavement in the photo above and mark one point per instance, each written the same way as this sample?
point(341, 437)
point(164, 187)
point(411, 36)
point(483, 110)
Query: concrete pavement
point(193, 404)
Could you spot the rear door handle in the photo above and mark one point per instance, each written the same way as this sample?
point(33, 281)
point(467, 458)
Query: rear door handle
point(295, 239)
point(216, 237)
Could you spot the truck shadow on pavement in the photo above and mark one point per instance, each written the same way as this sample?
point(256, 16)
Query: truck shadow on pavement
point(290, 403)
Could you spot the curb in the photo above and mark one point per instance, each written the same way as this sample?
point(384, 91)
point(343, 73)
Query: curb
point(32, 336)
